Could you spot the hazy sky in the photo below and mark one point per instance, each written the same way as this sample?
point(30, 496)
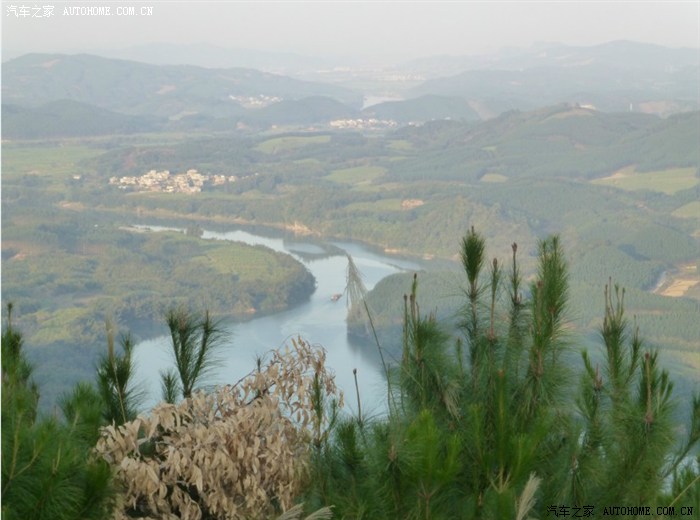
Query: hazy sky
point(377, 30)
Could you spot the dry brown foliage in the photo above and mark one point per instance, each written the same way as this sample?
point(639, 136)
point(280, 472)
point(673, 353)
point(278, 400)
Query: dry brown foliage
point(241, 451)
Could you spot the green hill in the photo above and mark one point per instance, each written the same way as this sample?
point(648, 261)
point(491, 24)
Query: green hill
point(139, 88)
point(562, 141)
point(306, 111)
point(66, 118)
point(421, 109)
point(68, 274)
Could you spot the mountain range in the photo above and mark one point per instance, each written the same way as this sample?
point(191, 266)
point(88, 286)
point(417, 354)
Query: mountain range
point(55, 95)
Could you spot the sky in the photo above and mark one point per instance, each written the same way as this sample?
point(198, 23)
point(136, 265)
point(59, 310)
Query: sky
point(377, 31)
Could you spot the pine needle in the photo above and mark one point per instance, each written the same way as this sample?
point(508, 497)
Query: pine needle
point(321, 514)
point(527, 498)
point(296, 512)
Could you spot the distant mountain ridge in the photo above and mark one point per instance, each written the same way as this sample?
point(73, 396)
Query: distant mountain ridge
point(615, 53)
point(216, 57)
point(613, 77)
point(58, 95)
point(139, 89)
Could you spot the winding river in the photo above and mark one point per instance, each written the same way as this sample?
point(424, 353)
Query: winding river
point(320, 321)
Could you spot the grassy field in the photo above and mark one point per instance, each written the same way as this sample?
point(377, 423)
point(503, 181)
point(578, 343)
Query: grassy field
point(690, 210)
point(242, 260)
point(56, 162)
point(400, 145)
point(668, 181)
point(494, 177)
point(379, 205)
point(357, 175)
point(309, 161)
point(282, 144)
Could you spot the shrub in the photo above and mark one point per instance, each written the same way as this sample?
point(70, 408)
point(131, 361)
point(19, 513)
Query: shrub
point(241, 451)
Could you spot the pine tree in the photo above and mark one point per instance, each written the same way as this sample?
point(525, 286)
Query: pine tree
point(47, 470)
point(195, 343)
point(119, 395)
point(628, 447)
point(504, 431)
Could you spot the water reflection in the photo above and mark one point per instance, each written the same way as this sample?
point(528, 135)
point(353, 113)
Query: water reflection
point(320, 321)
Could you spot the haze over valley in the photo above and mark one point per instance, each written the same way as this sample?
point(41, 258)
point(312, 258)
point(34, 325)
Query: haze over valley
point(519, 144)
point(455, 200)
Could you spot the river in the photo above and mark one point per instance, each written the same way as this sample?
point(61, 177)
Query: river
point(320, 321)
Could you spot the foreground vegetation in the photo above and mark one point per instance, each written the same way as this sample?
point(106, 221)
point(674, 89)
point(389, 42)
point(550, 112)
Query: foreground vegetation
point(48, 471)
point(493, 423)
point(496, 423)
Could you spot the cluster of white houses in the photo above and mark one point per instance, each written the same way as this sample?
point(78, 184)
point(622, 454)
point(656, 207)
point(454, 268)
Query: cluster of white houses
point(364, 124)
point(190, 182)
point(259, 101)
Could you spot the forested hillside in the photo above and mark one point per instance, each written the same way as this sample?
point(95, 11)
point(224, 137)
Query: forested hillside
point(68, 276)
point(620, 188)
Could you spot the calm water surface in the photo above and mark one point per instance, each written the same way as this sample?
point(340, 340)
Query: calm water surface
point(320, 321)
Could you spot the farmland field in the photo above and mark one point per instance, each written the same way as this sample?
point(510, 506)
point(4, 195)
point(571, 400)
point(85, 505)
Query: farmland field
point(45, 161)
point(357, 175)
point(690, 210)
point(668, 181)
point(280, 144)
